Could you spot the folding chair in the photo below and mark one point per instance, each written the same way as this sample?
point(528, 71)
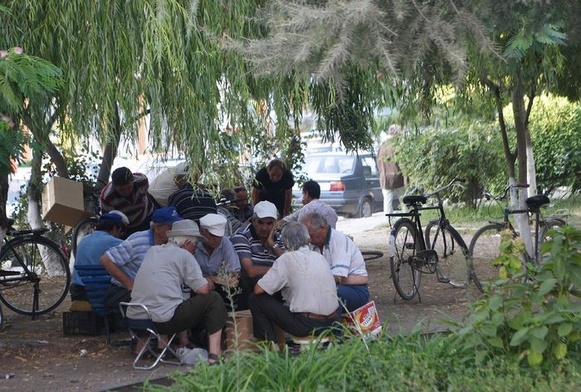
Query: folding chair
point(97, 280)
point(138, 328)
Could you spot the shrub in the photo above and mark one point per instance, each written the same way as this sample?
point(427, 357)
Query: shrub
point(539, 318)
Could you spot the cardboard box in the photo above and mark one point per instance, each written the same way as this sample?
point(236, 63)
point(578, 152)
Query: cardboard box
point(239, 331)
point(62, 201)
point(363, 321)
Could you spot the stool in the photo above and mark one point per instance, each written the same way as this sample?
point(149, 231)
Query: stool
point(305, 342)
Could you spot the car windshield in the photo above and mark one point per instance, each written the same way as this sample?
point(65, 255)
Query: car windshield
point(330, 164)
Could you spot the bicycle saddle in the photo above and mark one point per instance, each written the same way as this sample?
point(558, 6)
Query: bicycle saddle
point(414, 199)
point(534, 203)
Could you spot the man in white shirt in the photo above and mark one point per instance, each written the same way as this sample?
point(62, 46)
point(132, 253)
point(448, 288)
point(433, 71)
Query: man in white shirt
point(344, 258)
point(307, 286)
point(312, 203)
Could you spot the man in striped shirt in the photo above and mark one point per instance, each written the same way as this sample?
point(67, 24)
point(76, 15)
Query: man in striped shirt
point(128, 192)
point(123, 261)
point(257, 246)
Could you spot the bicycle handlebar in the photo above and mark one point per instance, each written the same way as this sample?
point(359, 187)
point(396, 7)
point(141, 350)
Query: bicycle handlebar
point(452, 183)
point(504, 193)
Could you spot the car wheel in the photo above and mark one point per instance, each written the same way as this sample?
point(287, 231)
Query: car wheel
point(365, 209)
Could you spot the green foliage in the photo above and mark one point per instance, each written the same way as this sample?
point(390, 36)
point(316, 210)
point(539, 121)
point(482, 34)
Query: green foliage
point(11, 146)
point(436, 155)
point(556, 136)
point(537, 319)
point(390, 364)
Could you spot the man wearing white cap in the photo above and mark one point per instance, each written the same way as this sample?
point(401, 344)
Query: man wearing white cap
point(216, 255)
point(158, 285)
point(257, 246)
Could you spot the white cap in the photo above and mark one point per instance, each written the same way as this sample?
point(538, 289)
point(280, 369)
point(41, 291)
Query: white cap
point(124, 218)
point(214, 223)
point(265, 209)
point(184, 227)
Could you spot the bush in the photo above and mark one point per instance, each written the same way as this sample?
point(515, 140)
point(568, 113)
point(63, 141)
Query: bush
point(539, 318)
point(555, 128)
point(435, 156)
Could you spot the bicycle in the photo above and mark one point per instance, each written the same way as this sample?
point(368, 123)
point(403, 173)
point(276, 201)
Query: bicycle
point(87, 225)
point(438, 248)
point(486, 243)
point(34, 273)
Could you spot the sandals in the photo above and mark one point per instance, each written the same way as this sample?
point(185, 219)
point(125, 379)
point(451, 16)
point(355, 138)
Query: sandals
point(215, 359)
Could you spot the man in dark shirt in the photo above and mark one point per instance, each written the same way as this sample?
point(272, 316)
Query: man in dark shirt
point(274, 183)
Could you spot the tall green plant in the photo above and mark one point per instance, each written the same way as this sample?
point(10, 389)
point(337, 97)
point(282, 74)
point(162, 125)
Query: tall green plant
point(538, 319)
point(436, 155)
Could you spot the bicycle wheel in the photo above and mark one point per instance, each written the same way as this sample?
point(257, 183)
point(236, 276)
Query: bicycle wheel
point(484, 247)
point(402, 258)
point(83, 228)
point(453, 262)
point(43, 280)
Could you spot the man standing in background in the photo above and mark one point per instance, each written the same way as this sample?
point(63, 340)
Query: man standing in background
point(390, 176)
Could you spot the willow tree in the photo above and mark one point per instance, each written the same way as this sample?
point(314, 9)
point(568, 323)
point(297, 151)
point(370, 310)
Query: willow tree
point(154, 59)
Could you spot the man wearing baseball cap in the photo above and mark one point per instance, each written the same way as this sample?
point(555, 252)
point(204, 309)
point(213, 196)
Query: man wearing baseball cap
point(123, 261)
point(257, 246)
point(158, 285)
point(216, 255)
point(110, 228)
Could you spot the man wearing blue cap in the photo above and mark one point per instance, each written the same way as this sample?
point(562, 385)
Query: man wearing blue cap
point(110, 228)
point(123, 261)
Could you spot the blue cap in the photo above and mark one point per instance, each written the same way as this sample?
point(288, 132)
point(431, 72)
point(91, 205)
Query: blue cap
point(166, 216)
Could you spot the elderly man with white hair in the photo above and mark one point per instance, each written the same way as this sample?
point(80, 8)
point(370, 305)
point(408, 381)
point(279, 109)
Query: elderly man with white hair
point(307, 286)
point(158, 285)
point(216, 255)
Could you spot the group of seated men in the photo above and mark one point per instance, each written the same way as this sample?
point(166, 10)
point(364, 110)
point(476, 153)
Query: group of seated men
point(300, 279)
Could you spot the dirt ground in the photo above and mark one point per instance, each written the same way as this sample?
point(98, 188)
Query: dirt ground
point(41, 358)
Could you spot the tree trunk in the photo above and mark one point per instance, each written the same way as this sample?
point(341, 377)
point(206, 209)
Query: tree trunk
point(34, 191)
point(520, 122)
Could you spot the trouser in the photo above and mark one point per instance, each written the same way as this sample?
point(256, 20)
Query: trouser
point(352, 297)
point(268, 311)
point(114, 295)
point(201, 309)
point(389, 195)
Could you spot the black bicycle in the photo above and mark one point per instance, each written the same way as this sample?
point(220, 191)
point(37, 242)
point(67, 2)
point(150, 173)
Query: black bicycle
point(87, 225)
point(34, 273)
point(413, 250)
point(485, 245)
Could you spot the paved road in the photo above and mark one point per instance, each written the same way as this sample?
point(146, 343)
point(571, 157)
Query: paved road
point(358, 225)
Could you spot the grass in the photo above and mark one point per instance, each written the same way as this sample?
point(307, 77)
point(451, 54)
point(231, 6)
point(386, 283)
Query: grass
point(391, 363)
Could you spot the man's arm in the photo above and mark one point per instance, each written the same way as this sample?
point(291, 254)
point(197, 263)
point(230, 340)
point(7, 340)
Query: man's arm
point(288, 197)
point(251, 269)
point(255, 196)
point(116, 272)
point(258, 290)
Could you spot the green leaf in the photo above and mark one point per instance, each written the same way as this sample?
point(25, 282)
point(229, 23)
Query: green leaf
point(547, 286)
point(560, 350)
point(540, 332)
point(564, 329)
point(519, 336)
point(538, 344)
point(534, 358)
point(488, 330)
point(496, 341)
point(495, 302)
